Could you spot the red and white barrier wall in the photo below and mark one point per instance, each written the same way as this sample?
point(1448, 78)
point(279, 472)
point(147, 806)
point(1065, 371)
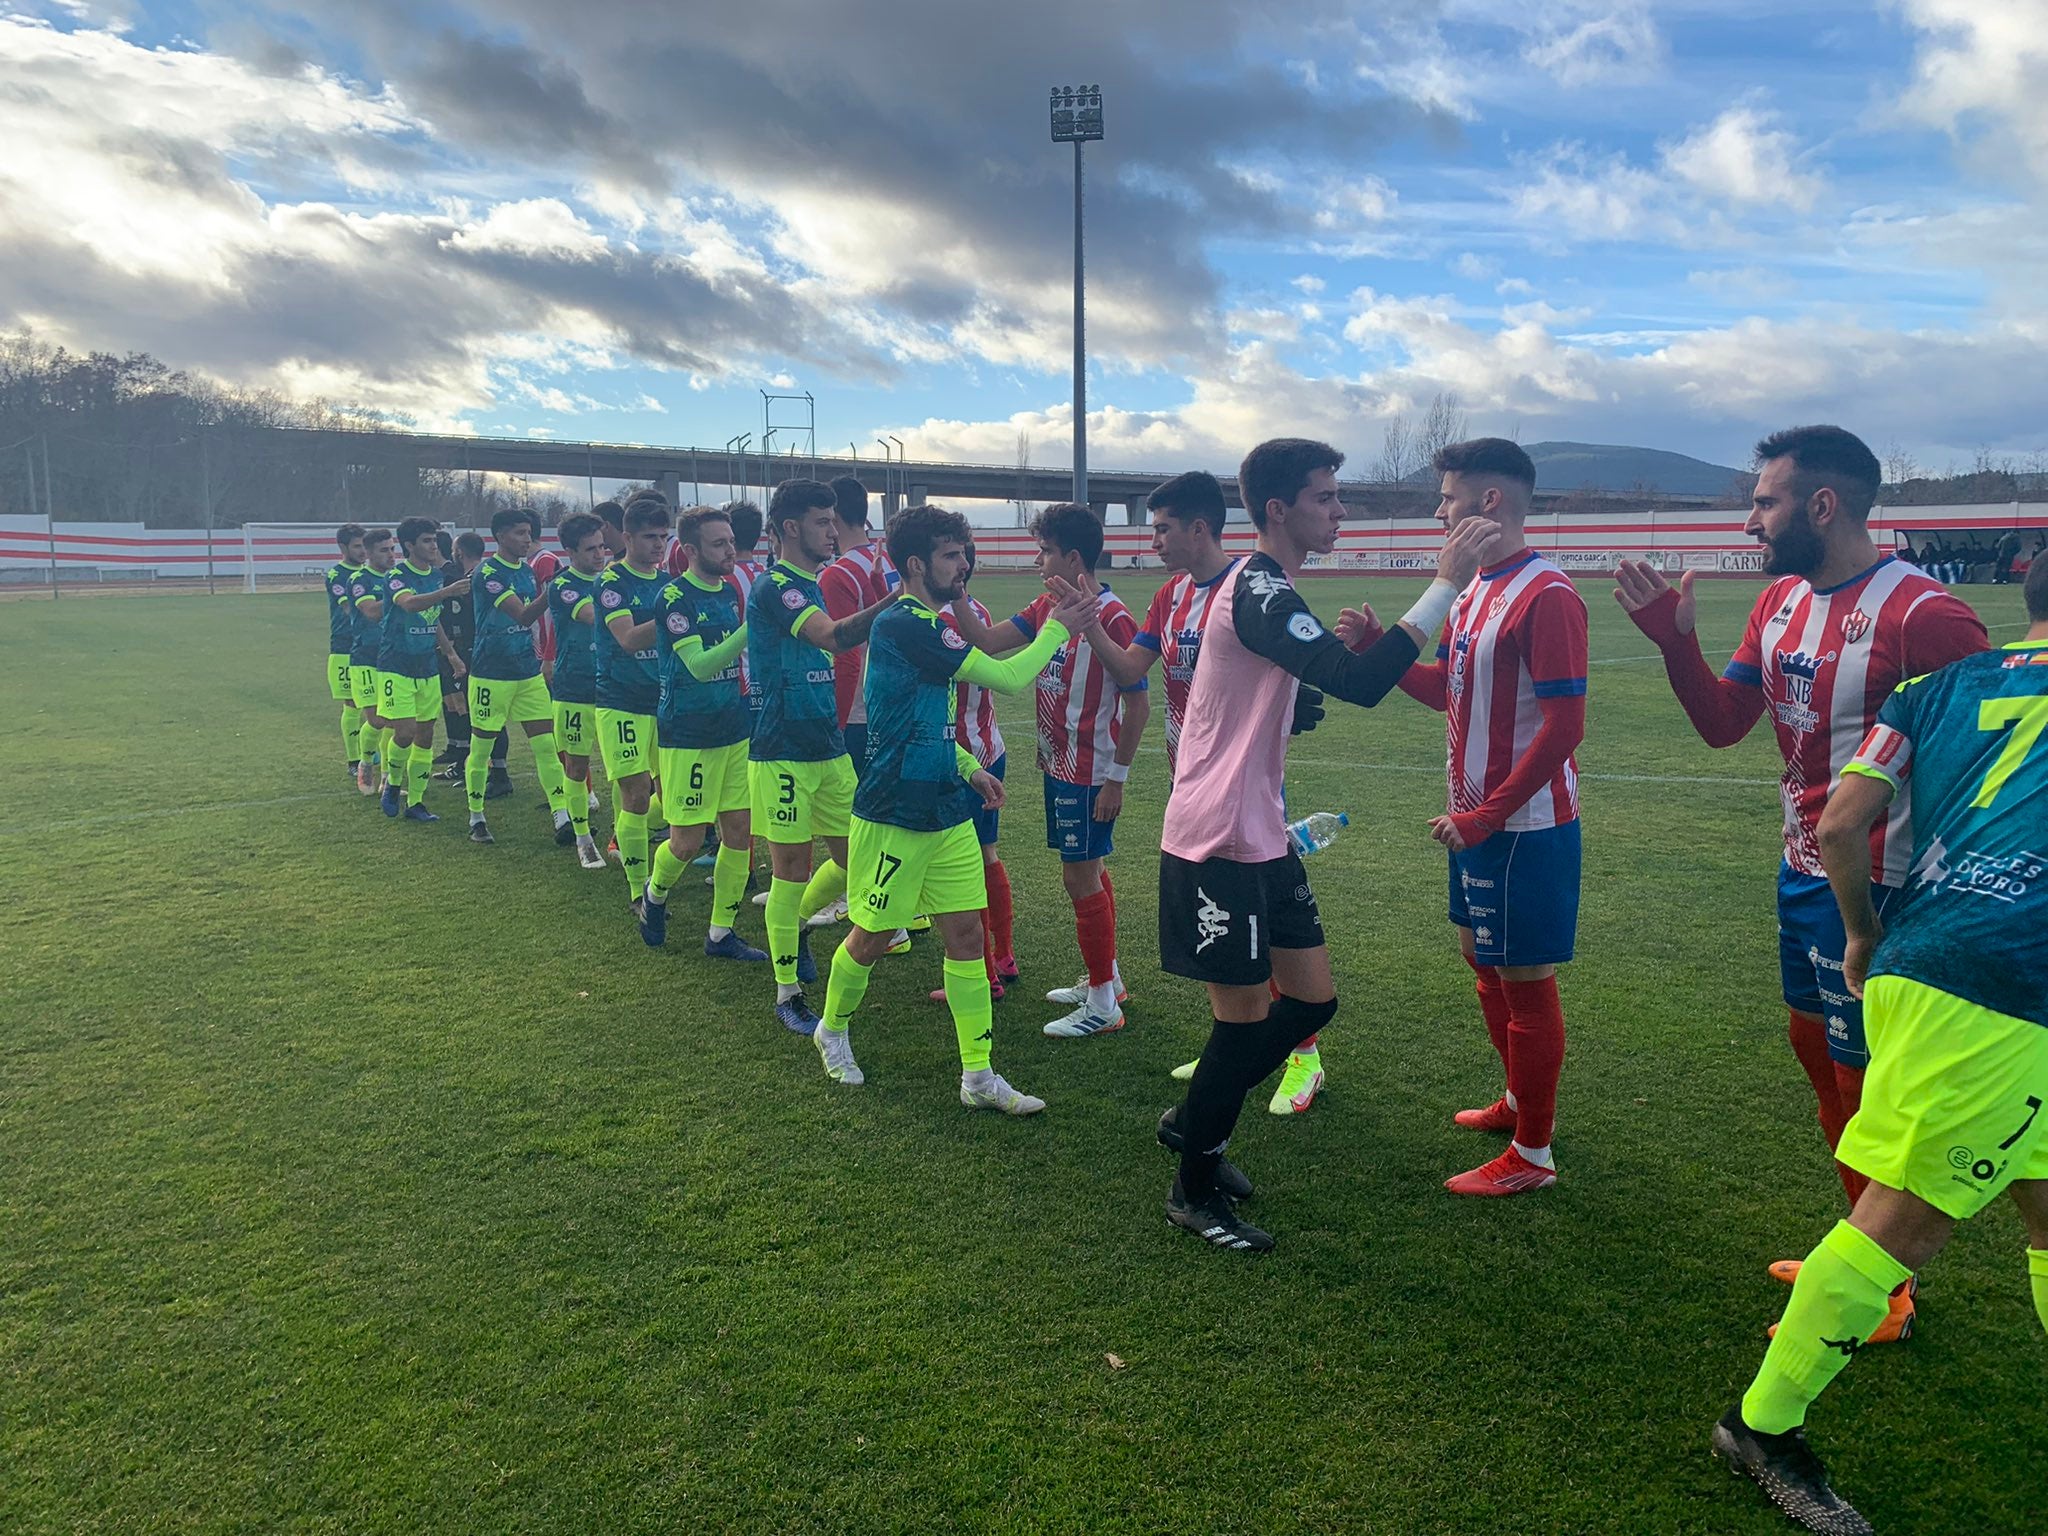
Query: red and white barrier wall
point(1711, 542)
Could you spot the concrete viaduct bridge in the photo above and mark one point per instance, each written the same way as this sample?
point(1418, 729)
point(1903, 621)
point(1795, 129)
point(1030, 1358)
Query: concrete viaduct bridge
point(714, 474)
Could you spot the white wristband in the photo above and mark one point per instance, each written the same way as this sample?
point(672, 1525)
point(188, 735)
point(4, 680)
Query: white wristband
point(1432, 608)
point(1116, 773)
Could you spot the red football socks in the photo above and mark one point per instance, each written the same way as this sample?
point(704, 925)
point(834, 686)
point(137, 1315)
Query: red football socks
point(1535, 1056)
point(1095, 927)
point(1001, 911)
point(1849, 1087)
point(1493, 1006)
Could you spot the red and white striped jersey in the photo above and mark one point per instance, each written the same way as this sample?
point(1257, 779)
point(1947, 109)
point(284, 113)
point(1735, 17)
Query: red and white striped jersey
point(1173, 627)
point(858, 579)
point(1516, 635)
point(547, 565)
point(1080, 712)
point(974, 722)
point(1826, 662)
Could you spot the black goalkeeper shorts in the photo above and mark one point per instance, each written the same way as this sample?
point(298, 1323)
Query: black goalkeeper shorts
point(1219, 919)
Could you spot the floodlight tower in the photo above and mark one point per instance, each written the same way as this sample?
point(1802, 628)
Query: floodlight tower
point(1077, 120)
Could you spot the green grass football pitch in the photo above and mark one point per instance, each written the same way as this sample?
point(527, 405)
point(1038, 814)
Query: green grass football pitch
point(356, 1179)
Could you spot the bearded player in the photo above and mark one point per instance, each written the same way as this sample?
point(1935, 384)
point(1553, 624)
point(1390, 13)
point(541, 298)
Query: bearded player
point(1840, 626)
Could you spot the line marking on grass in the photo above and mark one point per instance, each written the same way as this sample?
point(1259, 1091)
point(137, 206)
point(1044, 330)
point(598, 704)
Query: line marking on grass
point(25, 828)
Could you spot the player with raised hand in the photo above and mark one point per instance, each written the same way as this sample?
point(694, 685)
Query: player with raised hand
point(572, 603)
point(1838, 628)
point(800, 778)
point(1953, 977)
point(1510, 678)
point(1235, 909)
point(1088, 734)
point(504, 671)
point(629, 682)
point(409, 663)
point(367, 594)
point(975, 728)
point(341, 638)
point(912, 841)
point(702, 721)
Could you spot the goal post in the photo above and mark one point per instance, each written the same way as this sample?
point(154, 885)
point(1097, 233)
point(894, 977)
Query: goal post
point(286, 555)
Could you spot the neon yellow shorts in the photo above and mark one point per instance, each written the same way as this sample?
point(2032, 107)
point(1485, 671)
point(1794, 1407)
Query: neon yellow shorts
point(795, 802)
point(1953, 1101)
point(893, 875)
point(628, 742)
point(495, 703)
point(338, 685)
point(362, 687)
point(698, 784)
point(408, 698)
point(575, 728)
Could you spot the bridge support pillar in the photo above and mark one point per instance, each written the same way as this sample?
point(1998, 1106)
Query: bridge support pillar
point(919, 494)
point(670, 484)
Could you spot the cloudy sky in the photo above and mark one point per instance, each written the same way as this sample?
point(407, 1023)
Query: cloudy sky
point(1633, 222)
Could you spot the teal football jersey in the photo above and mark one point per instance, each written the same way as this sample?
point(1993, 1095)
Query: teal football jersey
point(411, 640)
point(799, 720)
point(913, 774)
point(504, 647)
point(1969, 745)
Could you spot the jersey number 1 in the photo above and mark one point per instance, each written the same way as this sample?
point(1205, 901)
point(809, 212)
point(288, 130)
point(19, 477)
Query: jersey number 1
point(2027, 717)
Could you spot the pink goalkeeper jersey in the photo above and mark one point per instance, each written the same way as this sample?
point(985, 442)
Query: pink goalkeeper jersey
point(1516, 636)
point(1826, 662)
point(1173, 627)
point(1225, 802)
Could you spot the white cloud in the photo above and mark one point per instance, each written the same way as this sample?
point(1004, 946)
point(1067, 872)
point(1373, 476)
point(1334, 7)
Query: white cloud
point(1742, 157)
point(1983, 68)
point(1614, 42)
point(1308, 283)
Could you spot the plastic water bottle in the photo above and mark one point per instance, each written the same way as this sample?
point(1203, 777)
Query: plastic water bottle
point(1315, 832)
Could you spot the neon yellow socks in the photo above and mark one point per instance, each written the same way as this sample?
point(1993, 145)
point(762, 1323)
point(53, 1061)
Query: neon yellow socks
point(667, 872)
point(476, 770)
point(547, 767)
point(387, 747)
point(1842, 1294)
point(783, 899)
point(351, 733)
point(419, 769)
point(632, 835)
point(728, 887)
point(827, 885)
point(973, 1015)
point(845, 988)
point(577, 794)
point(2037, 1276)
point(656, 817)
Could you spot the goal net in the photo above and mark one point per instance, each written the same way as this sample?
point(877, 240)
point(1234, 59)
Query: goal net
point(281, 555)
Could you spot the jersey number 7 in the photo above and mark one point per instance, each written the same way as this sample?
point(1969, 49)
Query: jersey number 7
point(2027, 717)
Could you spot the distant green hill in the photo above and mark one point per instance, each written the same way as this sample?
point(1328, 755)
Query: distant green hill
point(1569, 466)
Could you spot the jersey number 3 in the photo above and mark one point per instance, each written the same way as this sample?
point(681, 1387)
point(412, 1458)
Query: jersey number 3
point(2027, 717)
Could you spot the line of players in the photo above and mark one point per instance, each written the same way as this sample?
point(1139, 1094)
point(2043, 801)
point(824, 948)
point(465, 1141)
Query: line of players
point(1828, 644)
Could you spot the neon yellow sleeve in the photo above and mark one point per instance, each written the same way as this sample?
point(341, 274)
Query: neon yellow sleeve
point(707, 661)
point(970, 765)
point(1014, 673)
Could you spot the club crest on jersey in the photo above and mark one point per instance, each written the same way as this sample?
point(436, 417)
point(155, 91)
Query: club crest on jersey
point(950, 638)
point(1499, 607)
point(679, 624)
point(792, 599)
point(1855, 626)
point(612, 597)
point(1796, 672)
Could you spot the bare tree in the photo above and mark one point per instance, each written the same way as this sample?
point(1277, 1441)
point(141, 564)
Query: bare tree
point(1397, 452)
point(1445, 424)
point(1900, 465)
